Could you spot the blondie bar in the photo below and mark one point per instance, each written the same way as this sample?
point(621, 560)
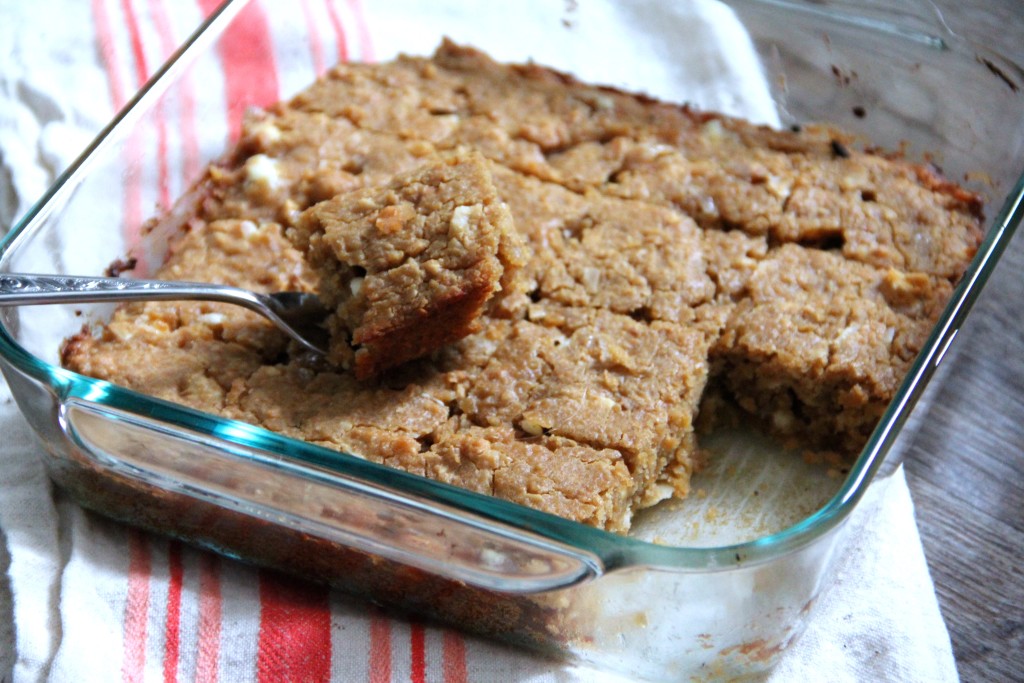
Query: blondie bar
point(663, 251)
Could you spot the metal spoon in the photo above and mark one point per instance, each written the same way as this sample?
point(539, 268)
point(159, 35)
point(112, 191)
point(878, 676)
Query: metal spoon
point(298, 313)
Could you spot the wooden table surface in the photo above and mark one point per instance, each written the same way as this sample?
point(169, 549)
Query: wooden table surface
point(965, 467)
point(966, 474)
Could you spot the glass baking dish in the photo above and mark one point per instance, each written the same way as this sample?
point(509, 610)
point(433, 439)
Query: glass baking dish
point(721, 598)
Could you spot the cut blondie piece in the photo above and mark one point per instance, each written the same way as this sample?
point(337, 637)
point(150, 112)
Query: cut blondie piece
point(584, 483)
point(819, 345)
point(410, 429)
point(807, 188)
point(194, 352)
point(408, 267)
point(591, 251)
point(603, 380)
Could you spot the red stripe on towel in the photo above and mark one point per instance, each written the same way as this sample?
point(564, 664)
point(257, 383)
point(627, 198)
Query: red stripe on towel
point(417, 654)
point(365, 45)
point(132, 208)
point(142, 74)
point(136, 608)
point(105, 36)
point(190, 162)
point(176, 570)
point(208, 7)
point(135, 40)
point(316, 48)
point(339, 31)
point(380, 649)
point(295, 631)
point(162, 25)
point(210, 608)
point(172, 624)
point(454, 658)
point(247, 55)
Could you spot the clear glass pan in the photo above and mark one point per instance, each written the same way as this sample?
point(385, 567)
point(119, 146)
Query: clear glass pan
point(656, 610)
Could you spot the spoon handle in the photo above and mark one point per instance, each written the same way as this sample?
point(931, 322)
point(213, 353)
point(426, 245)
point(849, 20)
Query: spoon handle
point(287, 310)
point(19, 289)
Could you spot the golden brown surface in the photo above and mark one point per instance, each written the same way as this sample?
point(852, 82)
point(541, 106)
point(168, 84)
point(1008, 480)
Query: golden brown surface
point(819, 344)
point(663, 249)
point(408, 267)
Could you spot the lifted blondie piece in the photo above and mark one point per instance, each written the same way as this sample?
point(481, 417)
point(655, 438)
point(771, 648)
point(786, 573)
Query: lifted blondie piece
point(408, 267)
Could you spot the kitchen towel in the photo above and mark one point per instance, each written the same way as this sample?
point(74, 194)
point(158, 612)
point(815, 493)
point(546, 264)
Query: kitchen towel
point(86, 599)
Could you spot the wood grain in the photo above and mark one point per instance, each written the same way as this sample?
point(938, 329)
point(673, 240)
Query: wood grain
point(966, 475)
point(965, 467)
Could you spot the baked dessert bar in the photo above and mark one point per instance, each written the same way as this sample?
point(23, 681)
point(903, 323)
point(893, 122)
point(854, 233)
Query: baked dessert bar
point(408, 267)
point(818, 345)
point(667, 255)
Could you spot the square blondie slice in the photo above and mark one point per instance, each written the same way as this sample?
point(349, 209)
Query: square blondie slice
point(592, 251)
point(607, 382)
point(819, 344)
point(409, 266)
